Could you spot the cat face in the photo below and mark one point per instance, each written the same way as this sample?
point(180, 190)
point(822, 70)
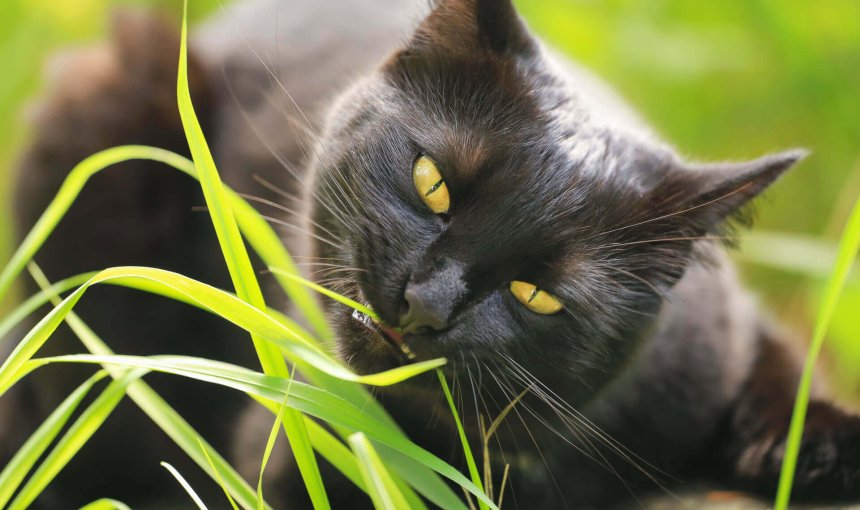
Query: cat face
point(488, 211)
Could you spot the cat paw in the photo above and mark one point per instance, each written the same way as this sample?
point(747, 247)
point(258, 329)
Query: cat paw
point(828, 464)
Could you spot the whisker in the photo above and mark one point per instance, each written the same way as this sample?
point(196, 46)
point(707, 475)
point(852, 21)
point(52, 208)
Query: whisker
point(684, 211)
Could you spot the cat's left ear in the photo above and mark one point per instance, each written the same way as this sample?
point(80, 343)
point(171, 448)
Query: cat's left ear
point(467, 25)
point(716, 191)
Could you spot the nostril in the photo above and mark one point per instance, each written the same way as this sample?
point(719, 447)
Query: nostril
point(420, 313)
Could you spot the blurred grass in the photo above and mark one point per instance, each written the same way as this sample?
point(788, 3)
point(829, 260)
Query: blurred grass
point(721, 80)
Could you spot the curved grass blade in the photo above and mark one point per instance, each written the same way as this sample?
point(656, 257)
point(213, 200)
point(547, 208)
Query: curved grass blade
point(78, 434)
point(185, 485)
point(847, 253)
point(303, 397)
point(422, 478)
point(35, 301)
point(270, 444)
point(159, 411)
point(106, 504)
point(383, 491)
point(259, 234)
point(36, 445)
point(214, 300)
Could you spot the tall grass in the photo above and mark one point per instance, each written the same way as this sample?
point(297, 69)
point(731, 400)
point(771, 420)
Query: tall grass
point(359, 438)
point(334, 394)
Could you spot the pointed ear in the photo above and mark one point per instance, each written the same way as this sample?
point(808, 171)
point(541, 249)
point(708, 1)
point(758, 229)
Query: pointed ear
point(720, 190)
point(468, 25)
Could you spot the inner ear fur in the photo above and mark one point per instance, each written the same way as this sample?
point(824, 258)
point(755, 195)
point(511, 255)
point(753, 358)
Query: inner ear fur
point(474, 25)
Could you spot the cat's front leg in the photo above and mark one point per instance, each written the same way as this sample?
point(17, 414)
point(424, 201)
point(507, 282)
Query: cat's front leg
point(828, 466)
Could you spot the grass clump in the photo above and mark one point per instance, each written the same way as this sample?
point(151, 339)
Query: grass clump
point(334, 397)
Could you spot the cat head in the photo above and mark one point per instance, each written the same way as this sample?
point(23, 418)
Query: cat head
point(494, 209)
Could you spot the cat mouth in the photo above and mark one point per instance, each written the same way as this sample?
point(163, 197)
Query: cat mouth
point(392, 336)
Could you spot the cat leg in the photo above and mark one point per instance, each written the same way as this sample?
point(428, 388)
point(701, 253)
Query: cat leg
point(136, 213)
point(828, 466)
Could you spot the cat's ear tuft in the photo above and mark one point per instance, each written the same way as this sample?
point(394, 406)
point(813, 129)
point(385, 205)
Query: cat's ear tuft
point(720, 190)
point(469, 25)
point(499, 26)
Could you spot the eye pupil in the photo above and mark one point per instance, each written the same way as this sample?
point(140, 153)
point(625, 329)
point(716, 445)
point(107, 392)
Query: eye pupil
point(434, 187)
point(535, 299)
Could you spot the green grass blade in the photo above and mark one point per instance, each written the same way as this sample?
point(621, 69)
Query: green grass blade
point(218, 478)
point(355, 305)
point(271, 250)
point(36, 445)
point(218, 302)
point(57, 209)
point(260, 235)
point(185, 485)
point(335, 452)
point(270, 445)
point(847, 253)
point(160, 412)
point(78, 434)
point(383, 491)
point(106, 504)
point(419, 476)
point(303, 397)
point(34, 302)
point(467, 450)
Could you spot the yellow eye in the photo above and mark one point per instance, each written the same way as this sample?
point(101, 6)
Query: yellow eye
point(430, 185)
point(535, 299)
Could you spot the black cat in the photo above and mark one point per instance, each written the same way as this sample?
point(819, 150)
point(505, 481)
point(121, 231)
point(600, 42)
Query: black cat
point(494, 203)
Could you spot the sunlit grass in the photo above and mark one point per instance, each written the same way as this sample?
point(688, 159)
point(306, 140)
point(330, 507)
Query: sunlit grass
point(273, 336)
point(848, 249)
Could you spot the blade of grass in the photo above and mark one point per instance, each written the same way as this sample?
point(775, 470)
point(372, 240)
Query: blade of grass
point(34, 302)
point(847, 253)
point(433, 489)
point(240, 268)
point(487, 434)
point(185, 485)
point(343, 459)
point(467, 450)
point(36, 445)
point(106, 504)
point(159, 411)
point(270, 444)
point(355, 305)
point(383, 491)
point(426, 481)
point(303, 397)
point(219, 302)
point(335, 452)
point(218, 478)
point(78, 434)
point(260, 235)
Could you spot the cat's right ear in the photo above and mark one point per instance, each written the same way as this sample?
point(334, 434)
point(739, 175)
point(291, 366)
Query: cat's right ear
point(468, 26)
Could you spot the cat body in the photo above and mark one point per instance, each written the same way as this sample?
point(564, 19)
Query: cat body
point(659, 369)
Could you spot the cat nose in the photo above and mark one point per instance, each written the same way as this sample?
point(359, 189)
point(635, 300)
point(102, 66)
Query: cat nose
point(431, 298)
point(423, 313)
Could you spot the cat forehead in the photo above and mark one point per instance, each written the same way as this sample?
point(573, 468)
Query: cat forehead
point(472, 109)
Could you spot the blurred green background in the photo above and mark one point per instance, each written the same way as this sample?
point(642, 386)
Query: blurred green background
point(721, 80)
